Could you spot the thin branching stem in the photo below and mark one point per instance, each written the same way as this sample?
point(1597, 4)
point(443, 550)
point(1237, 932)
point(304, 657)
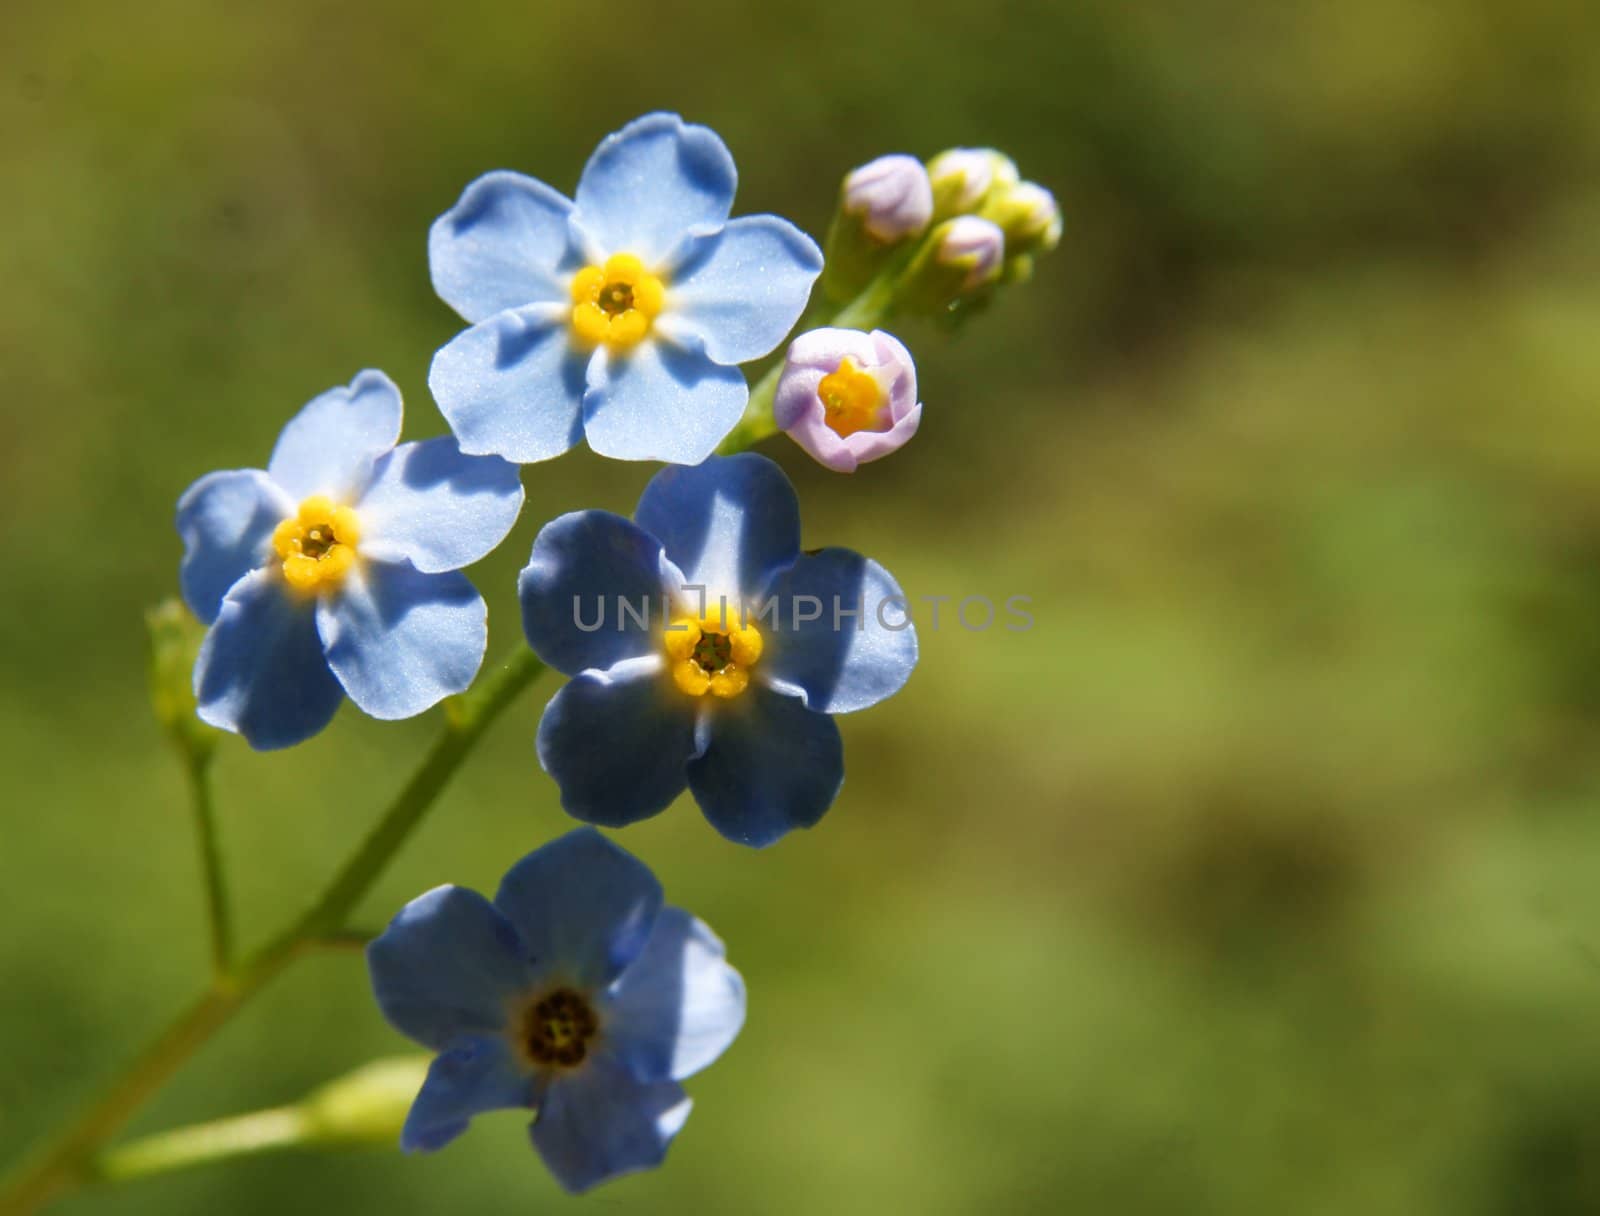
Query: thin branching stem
point(219, 910)
point(68, 1159)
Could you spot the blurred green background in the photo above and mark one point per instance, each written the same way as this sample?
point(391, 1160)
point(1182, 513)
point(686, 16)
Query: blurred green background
point(1260, 876)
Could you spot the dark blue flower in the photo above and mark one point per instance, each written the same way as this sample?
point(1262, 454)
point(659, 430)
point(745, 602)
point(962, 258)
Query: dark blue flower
point(335, 571)
point(575, 993)
point(706, 651)
point(621, 315)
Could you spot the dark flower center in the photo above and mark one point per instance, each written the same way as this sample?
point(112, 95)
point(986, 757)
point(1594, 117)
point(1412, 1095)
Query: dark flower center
point(713, 652)
point(615, 298)
point(318, 540)
point(559, 1028)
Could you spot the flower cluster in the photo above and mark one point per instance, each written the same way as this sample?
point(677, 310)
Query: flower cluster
point(941, 237)
point(705, 650)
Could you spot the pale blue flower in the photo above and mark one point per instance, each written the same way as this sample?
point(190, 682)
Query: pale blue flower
point(335, 571)
point(620, 316)
point(707, 652)
point(575, 994)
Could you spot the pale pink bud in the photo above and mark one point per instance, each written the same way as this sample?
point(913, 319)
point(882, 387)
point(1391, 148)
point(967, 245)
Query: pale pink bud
point(891, 197)
point(847, 397)
point(974, 244)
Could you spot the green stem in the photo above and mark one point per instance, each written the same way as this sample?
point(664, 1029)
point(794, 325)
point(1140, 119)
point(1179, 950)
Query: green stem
point(218, 908)
point(66, 1160)
point(468, 716)
point(873, 304)
point(257, 1132)
point(365, 1107)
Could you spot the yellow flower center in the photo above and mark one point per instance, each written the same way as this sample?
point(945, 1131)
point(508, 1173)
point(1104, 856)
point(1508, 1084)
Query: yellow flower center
point(851, 400)
point(317, 544)
point(557, 1029)
point(712, 655)
point(615, 303)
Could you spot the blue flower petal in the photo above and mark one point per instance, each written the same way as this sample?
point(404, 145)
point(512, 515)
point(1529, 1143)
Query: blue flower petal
point(504, 244)
point(261, 671)
point(729, 524)
point(598, 1123)
point(512, 386)
point(679, 1005)
point(769, 765)
point(583, 907)
point(868, 657)
point(661, 402)
point(474, 1076)
point(400, 640)
point(437, 508)
point(652, 183)
point(446, 966)
point(739, 291)
point(226, 522)
point(329, 446)
point(616, 742)
point(581, 566)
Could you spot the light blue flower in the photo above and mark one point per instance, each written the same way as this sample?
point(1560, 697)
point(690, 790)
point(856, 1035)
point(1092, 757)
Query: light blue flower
point(335, 570)
point(728, 690)
point(621, 315)
point(575, 993)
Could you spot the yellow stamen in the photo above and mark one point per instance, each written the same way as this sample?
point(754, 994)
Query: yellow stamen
point(628, 327)
point(590, 324)
point(682, 637)
point(686, 674)
point(615, 303)
point(624, 268)
point(586, 285)
point(852, 400)
point(317, 544)
point(712, 655)
point(730, 682)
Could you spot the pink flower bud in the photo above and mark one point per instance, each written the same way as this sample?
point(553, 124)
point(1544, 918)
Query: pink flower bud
point(977, 245)
point(891, 196)
point(847, 397)
point(1028, 215)
point(962, 177)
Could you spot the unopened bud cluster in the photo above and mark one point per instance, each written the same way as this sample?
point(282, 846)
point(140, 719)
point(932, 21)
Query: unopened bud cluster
point(953, 229)
point(989, 226)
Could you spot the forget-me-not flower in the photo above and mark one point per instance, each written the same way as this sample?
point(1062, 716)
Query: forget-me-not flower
point(335, 570)
point(575, 993)
point(847, 397)
point(620, 316)
point(727, 691)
